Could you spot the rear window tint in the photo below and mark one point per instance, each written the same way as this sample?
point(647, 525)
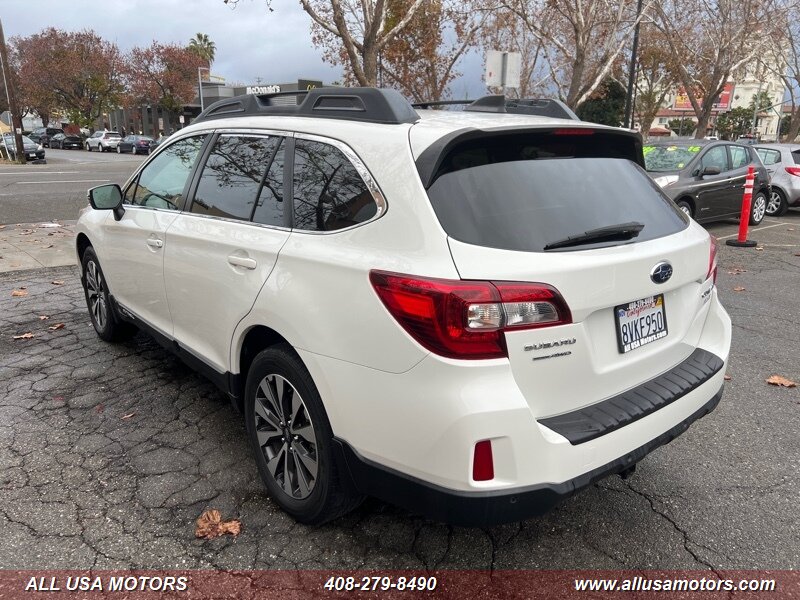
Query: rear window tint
point(532, 190)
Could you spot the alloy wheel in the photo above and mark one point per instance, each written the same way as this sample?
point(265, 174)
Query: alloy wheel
point(759, 207)
point(286, 436)
point(95, 290)
point(774, 204)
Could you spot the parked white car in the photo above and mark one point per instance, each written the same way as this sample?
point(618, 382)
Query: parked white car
point(469, 314)
point(104, 141)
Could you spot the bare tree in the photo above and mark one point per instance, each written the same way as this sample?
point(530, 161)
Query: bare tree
point(710, 40)
point(654, 79)
point(786, 44)
point(354, 32)
point(581, 42)
point(421, 60)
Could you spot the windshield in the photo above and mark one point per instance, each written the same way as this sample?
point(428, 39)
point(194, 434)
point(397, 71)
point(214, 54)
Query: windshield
point(535, 191)
point(658, 159)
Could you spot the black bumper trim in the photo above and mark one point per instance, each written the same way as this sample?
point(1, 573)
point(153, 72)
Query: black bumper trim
point(593, 421)
point(487, 508)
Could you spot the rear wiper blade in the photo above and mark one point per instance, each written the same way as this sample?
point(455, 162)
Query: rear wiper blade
point(622, 231)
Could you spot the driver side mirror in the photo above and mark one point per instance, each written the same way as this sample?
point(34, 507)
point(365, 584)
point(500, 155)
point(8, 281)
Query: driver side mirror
point(107, 197)
point(711, 170)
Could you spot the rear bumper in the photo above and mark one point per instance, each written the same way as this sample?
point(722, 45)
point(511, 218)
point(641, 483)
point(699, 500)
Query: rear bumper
point(490, 507)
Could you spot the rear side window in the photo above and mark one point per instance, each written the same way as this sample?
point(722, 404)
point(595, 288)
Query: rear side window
point(796, 156)
point(233, 176)
point(531, 190)
point(769, 157)
point(739, 157)
point(329, 194)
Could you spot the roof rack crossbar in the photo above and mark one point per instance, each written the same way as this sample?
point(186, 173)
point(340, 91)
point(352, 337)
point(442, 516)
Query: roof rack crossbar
point(543, 107)
point(353, 104)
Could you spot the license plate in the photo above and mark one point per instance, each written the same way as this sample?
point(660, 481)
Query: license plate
point(640, 322)
point(32, 155)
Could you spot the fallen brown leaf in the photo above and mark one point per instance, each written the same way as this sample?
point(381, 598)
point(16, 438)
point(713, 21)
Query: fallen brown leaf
point(759, 247)
point(56, 327)
point(211, 525)
point(737, 271)
point(43, 317)
point(48, 246)
point(58, 398)
point(727, 377)
point(57, 282)
point(128, 416)
point(99, 408)
point(790, 229)
point(739, 288)
point(2, 226)
point(19, 293)
point(780, 381)
point(26, 232)
point(24, 336)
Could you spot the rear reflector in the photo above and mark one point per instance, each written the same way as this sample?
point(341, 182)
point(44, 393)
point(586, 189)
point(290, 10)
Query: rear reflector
point(483, 463)
point(467, 319)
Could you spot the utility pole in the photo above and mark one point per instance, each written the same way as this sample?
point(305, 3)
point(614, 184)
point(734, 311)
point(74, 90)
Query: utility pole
point(632, 70)
point(16, 125)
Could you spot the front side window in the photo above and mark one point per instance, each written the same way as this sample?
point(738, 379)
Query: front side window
point(715, 157)
point(739, 157)
point(233, 177)
point(162, 181)
point(329, 194)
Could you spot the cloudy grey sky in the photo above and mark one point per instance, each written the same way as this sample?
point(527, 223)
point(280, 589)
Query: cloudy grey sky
point(251, 41)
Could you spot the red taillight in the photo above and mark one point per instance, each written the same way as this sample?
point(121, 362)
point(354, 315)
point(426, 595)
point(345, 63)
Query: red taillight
point(483, 463)
point(793, 171)
point(712, 260)
point(467, 319)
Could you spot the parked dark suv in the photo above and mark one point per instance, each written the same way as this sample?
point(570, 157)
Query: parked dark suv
point(42, 135)
point(706, 178)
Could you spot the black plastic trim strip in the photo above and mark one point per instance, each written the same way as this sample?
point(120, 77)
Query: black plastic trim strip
point(593, 421)
point(487, 508)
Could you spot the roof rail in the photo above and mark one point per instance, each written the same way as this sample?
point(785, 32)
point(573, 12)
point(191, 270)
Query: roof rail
point(542, 107)
point(372, 105)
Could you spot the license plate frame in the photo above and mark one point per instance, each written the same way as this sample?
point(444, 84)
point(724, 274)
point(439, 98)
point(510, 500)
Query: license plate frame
point(632, 311)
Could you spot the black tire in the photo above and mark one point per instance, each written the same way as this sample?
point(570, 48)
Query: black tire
point(119, 150)
point(88, 148)
point(777, 197)
point(95, 289)
point(758, 208)
point(685, 207)
point(329, 495)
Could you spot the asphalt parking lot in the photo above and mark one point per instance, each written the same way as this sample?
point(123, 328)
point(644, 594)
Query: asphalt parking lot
point(108, 455)
point(57, 190)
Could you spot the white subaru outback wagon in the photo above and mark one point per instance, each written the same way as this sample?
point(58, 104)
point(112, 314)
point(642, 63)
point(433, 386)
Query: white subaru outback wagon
point(471, 314)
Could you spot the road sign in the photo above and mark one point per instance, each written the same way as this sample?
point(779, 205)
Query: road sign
point(503, 68)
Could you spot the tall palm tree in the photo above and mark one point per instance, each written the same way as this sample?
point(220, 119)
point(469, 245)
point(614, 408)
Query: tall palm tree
point(203, 47)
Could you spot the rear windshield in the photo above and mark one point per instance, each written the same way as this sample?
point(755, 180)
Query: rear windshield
point(533, 190)
point(659, 159)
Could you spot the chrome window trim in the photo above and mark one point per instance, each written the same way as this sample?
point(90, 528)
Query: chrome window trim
point(229, 220)
point(349, 153)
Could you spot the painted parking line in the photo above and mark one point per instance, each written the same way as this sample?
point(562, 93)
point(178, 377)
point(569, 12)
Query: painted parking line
point(62, 181)
point(45, 173)
point(733, 235)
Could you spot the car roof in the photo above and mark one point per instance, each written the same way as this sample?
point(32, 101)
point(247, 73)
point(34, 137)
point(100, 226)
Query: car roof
point(783, 146)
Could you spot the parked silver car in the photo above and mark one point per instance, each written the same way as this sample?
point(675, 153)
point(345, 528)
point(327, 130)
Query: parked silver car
point(104, 141)
point(783, 163)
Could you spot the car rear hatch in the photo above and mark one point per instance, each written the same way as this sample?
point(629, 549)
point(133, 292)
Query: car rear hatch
point(573, 209)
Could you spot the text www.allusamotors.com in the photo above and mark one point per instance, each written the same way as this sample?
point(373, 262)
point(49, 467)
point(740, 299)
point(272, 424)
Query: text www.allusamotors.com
point(644, 584)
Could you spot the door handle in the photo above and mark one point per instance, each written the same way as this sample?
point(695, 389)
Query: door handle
point(241, 261)
point(155, 243)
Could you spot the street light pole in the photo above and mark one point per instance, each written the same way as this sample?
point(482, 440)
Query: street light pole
point(16, 125)
point(632, 70)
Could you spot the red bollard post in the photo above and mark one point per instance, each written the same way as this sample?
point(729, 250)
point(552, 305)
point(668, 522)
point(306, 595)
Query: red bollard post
point(744, 219)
